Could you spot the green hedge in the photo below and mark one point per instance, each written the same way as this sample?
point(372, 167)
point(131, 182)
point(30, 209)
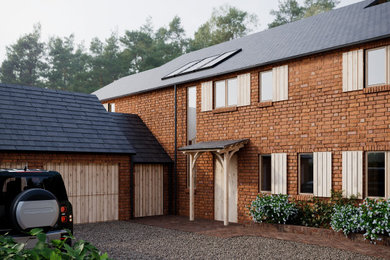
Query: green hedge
point(372, 217)
point(53, 250)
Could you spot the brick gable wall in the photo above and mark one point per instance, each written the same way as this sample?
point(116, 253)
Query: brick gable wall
point(318, 116)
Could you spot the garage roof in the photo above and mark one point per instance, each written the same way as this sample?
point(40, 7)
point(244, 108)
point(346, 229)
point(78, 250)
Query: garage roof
point(346, 26)
point(147, 148)
point(37, 119)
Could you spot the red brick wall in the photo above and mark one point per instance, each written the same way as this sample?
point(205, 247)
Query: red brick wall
point(318, 116)
point(37, 161)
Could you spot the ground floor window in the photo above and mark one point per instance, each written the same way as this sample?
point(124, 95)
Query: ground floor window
point(306, 173)
point(376, 174)
point(265, 172)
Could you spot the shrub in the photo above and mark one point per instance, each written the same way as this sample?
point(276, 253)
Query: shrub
point(55, 249)
point(272, 209)
point(345, 218)
point(314, 213)
point(374, 218)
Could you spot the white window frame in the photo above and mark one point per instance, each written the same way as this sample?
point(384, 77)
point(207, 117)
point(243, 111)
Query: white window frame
point(299, 173)
point(387, 76)
point(226, 92)
point(260, 172)
point(387, 172)
point(261, 86)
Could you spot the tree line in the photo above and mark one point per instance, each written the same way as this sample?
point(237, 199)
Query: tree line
point(60, 63)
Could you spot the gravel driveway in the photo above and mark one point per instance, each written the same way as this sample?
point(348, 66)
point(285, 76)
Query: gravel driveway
point(125, 240)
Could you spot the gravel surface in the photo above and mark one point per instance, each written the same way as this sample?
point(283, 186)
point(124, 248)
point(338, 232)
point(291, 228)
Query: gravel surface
point(125, 240)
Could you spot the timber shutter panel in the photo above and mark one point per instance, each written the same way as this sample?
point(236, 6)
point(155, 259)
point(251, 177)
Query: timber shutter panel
point(280, 83)
point(352, 174)
point(279, 173)
point(353, 70)
point(244, 89)
point(207, 96)
point(322, 174)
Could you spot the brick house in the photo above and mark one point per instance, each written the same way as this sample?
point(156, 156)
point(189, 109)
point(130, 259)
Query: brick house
point(96, 152)
point(304, 106)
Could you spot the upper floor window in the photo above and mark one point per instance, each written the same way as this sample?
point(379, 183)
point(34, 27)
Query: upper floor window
point(376, 67)
point(110, 107)
point(266, 86)
point(225, 92)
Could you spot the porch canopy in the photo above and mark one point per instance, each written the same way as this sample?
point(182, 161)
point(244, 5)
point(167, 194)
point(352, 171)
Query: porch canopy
point(223, 151)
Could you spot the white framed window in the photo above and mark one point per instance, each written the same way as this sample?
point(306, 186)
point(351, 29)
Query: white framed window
point(306, 173)
point(266, 86)
point(110, 107)
point(377, 67)
point(377, 174)
point(225, 93)
point(265, 172)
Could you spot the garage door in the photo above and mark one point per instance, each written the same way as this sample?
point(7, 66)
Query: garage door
point(148, 190)
point(92, 189)
point(12, 165)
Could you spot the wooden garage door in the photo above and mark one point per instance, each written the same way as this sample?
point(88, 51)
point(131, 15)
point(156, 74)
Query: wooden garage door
point(148, 190)
point(13, 165)
point(92, 189)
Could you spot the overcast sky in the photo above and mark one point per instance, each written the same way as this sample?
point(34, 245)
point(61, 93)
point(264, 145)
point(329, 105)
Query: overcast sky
point(91, 18)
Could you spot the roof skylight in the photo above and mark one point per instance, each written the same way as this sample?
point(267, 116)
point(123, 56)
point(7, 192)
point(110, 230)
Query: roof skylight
point(202, 64)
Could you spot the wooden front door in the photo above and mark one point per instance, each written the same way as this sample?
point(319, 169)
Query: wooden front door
point(219, 190)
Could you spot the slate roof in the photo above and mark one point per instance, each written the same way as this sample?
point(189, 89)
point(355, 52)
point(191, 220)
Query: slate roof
point(335, 29)
point(147, 148)
point(37, 119)
point(212, 145)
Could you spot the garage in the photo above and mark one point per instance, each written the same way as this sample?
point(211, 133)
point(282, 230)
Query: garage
point(92, 189)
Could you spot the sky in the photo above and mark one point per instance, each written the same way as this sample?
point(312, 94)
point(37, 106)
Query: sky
point(100, 18)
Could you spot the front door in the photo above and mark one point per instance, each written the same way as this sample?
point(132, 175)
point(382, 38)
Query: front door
point(219, 190)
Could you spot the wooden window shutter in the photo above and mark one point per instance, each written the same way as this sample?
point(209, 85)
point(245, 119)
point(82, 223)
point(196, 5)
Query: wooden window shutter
point(388, 64)
point(105, 106)
point(244, 89)
point(353, 70)
point(280, 83)
point(322, 174)
point(207, 96)
point(279, 173)
point(112, 107)
point(352, 174)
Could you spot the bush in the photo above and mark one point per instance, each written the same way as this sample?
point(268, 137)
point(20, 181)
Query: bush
point(55, 249)
point(314, 213)
point(345, 218)
point(272, 209)
point(374, 218)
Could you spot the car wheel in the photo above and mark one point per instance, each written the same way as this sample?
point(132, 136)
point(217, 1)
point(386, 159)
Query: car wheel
point(34, 208)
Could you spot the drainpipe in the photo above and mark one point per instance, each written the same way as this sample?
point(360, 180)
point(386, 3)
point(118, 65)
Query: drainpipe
point(175, 155)
point(131, 188)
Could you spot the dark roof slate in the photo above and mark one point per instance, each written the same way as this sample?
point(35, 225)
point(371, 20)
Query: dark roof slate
point(147, 148)
point(346, 26)
point(38, 119)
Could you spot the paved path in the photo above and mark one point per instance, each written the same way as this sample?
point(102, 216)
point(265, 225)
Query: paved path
point(130, 240)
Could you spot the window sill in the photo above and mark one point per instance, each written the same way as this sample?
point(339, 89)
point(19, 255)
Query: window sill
point(224, 110)
point(265, 104)
point(375, 89)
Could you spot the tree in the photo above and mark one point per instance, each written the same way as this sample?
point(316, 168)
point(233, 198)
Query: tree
point(24, 60)
point(226, 23)
point(146, 49)
point(290, 10)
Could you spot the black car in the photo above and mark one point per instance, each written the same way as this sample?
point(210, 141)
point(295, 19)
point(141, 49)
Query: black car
point(33, 199)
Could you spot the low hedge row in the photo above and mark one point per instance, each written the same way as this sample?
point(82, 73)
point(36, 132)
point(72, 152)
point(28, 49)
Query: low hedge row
point(53, 250)
point(372, 217)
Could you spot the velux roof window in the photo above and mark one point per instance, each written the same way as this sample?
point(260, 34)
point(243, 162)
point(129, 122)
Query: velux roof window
point(202, 64)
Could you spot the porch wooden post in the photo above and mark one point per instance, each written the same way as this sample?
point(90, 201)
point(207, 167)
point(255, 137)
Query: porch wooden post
point(226, 159)
point(192, 163)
